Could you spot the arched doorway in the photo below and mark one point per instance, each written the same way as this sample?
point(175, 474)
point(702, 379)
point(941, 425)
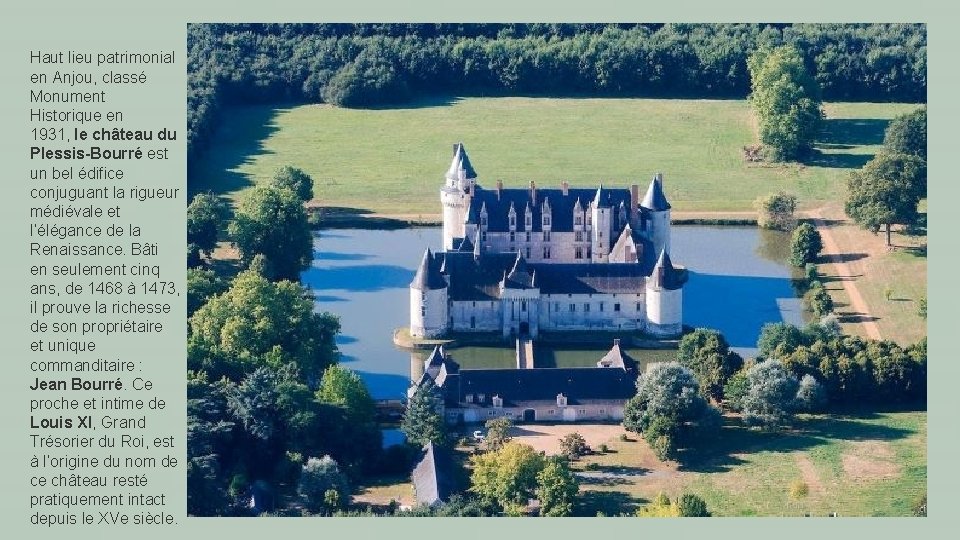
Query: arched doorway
point(529, 415)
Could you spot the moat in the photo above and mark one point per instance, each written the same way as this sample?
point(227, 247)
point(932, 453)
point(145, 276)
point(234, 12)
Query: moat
point(738, 281)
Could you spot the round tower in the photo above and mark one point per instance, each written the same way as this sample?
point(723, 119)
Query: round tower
point(656, 211)
point(455, 195)
point(428, 300)
point(600, 241)
point(664, 298)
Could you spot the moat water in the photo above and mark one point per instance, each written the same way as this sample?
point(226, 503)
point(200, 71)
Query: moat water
point(738, 281)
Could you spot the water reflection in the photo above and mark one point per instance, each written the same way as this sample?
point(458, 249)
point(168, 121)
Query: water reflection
point(738, 282)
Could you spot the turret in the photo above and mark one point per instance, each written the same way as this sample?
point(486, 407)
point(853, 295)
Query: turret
point(456, 194)
point(428, 300)
point(600, 241)
point(664, 298)
point(656, 214)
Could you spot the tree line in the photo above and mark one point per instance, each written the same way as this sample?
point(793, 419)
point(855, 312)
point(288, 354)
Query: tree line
point(360, 65)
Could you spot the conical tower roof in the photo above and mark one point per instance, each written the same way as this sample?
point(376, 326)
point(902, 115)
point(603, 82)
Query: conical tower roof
point(460, 161)
point(655, 199)
point(428, 276)
point(666, 275)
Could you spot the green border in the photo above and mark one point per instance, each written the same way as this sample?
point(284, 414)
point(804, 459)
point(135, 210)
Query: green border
point(105, 23)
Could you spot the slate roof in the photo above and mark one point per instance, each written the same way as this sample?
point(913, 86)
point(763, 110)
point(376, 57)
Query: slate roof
point(431, 477)
point(542, 384)
point(655, 199)
point(460, 160)
point(469, 277)
point(616, 357)
point(665, 275)
point(561, 206)
point(428, 275)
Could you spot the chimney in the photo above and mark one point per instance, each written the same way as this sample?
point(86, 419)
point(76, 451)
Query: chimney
point(634, 203)
point(616, 342)
point(565, 186)
point(533, 192)
point(499, 188)
point(660, 178)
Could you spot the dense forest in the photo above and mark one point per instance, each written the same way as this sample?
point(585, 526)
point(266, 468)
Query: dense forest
point(357, 65)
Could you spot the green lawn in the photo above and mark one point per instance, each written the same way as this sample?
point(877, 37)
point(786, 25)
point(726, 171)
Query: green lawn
point(393, 160)
point(863, 464)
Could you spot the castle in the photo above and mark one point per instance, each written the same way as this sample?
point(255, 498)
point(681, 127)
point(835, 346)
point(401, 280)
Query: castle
point(518, 261)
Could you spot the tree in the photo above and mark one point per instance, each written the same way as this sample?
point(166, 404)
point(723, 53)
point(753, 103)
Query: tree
point(202, 285)
point(272, 221)
point(818, 300)
point(770, 399)
point(775, 211)
point(507, 477)
point(573, 446)
point(907, 134)
point(557, 488)
point(669, 410)
point(296, 181)
point(498, 432)
point(736, 388)
point(691, 506)
point(707, 354)
point(345, 389)
point(886, 192)
point(423, 419)
point(258, 323)
point(205, 216)
point(786, 100)
point(811, 396)
point(323, 487)
point(776, 337)
point(805, 245)
point(661, 506)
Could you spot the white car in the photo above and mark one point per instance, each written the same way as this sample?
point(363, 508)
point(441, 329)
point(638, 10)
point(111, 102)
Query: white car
point(478, 435)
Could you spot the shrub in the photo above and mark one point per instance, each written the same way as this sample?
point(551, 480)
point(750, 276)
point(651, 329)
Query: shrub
point(692, 506)
point(771, 396)
point(624, 438)
point(818, 301)
point(805, 245)
point(573, 445)
point(810, 273)
point(810, 394)
point(603, 449)
point(799, 489)
point(775, 211)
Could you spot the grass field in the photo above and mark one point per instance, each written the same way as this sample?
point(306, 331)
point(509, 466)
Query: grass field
point(866, 464)
point(393, 160)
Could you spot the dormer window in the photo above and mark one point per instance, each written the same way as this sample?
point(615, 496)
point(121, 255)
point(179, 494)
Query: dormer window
point(480, 398)
point(578, 220)
point(546, 221)
point(468, 398)
point(561, 400)
point(483, 221)
point(497, 402)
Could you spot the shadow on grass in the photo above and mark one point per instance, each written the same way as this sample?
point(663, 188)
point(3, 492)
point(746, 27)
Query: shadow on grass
point(609, 503)
point(722, 454)
point(216, 169)
point(844, 257)
point(836, 161)
point(856, 318)
point(848, 132)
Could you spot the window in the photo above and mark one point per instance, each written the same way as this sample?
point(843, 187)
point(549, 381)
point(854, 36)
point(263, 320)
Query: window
point(513, 222)
point(601, 307)
point(586, 308)
point(573, 308)
point(483, 236)
point(578, 220)
point(550, 411)
point(468, 398)
point(513, 236)
point(582, 411)
point(474, 303)
point(480, 397)
point(599, 234)
point(528, 239)
point(546, 252)
point(528, 222)
point(423, 310)
point(489, 413)
point(578, 236)
point(616, 307)
point(528, 252)
point(523, 305)
point(483, 221)
point(602, 411)
point(473, 322)
point(639, 306)
point(578, 253)
point(556, 307)
point(546, 236)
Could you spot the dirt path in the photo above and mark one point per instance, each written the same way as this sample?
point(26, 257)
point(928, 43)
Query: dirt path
point(857, 303)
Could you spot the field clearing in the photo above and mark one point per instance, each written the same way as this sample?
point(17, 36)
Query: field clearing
point(392, 160)
point(865, 464)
